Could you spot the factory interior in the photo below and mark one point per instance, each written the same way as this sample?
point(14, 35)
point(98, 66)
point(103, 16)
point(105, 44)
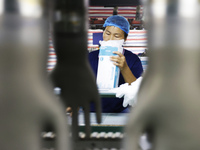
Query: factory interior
point(48, 86)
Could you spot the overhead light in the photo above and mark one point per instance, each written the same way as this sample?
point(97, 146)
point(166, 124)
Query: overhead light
point(30, 8)
point(159, 8)
point(188, 8)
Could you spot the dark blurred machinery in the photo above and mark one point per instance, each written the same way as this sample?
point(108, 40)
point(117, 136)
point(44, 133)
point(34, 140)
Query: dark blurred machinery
point(109, 3)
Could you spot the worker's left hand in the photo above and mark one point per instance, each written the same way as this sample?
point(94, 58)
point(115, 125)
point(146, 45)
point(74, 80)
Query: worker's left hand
point(119, 60)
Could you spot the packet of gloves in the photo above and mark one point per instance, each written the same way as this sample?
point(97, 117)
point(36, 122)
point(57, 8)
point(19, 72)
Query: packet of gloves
point(108, 73)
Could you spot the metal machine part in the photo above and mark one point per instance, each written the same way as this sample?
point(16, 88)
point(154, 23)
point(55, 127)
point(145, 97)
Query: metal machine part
point(107, 135)
point(168, 100)
point(72, 73)
point(27, 104)
point(112, 3)
point(97, 140)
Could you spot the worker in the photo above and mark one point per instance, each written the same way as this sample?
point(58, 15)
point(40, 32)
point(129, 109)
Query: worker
point(117, 28)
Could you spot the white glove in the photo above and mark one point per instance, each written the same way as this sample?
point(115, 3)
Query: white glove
point(129, 92)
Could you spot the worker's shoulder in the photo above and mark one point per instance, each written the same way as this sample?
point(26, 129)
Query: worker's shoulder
point(95, 52)
point(128, 53)
point(93, 56)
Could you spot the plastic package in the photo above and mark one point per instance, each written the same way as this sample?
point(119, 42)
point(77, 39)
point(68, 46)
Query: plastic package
point(108, 73)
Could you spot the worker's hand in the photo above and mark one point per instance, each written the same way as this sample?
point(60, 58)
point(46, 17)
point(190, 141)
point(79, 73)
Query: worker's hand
point(69, 111)
point(119, 60)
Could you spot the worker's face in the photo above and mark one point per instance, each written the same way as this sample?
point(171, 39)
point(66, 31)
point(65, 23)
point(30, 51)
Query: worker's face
point(113, 33)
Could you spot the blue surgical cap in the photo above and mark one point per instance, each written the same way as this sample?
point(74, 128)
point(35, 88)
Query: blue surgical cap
point(118, 21)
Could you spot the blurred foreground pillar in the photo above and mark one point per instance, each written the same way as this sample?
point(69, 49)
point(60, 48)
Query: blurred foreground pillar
point(27, 104)
point(169, 97)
